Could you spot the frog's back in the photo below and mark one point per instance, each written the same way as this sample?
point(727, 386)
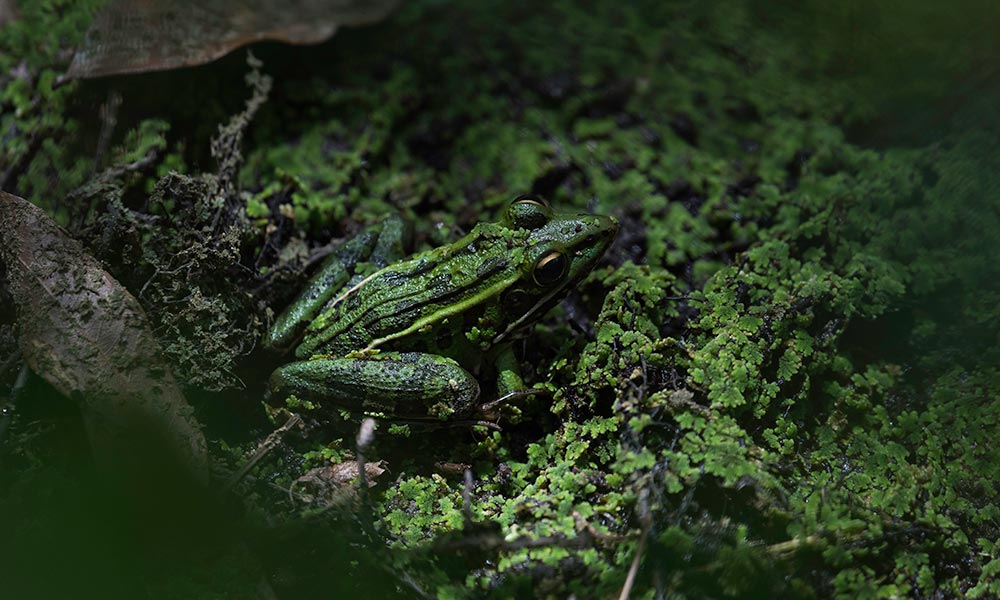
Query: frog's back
point(410, 297)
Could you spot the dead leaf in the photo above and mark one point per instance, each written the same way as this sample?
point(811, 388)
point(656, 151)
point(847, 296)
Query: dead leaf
point(452, 469)
point(331, 485)
point(83, 332)
point(133, 36)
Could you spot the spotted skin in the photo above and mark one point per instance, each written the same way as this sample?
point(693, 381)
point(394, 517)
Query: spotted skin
point(404, 340)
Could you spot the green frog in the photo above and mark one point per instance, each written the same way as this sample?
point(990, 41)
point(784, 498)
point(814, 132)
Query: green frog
point(404, 341)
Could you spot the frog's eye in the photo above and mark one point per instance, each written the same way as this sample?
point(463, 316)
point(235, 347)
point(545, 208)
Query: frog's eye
point(550, 268)
point(530, 199)
point(528, 212)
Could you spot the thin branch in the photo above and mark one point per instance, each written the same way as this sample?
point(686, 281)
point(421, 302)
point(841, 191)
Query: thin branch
point(646, 519)
point(366, 434)
point(269, 443)
point(634, 569)
point(507, 397)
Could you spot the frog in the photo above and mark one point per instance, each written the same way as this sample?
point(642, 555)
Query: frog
point(405, 338)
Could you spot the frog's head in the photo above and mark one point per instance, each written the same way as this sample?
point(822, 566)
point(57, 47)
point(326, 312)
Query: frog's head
point(560, 249)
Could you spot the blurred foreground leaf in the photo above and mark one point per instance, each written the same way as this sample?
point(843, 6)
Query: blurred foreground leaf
point(83, 333)
point(130, 37)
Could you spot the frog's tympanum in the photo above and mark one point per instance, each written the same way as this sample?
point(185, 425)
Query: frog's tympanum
point(405, 340)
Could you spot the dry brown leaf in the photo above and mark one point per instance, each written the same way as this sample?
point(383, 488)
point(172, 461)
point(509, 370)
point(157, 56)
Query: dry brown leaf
point(132, 36)
point(343, 473)
point(331, 485)
point(452, 469)
point(82, 332)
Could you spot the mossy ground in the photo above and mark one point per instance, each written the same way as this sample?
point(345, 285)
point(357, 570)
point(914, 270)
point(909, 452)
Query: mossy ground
point(783, 378)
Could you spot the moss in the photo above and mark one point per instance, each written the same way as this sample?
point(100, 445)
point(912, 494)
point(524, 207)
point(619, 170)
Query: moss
point(39, 141)
point(782, 376)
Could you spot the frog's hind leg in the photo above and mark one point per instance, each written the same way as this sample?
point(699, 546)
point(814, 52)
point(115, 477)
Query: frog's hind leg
point(379, 244)
point(407, 385)
point(394, 237)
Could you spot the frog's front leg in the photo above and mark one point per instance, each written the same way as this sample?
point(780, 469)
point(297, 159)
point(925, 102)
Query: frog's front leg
point(510, 383)
point(509, 380)
point(379, 244)
point(405, 385)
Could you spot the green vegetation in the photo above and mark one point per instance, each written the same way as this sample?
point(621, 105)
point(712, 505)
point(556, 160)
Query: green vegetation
point(782, 381)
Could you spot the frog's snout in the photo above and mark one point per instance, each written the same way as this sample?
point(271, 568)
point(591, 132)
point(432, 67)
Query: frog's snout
point(605, 227)
point(603, 224)
point(612, 226)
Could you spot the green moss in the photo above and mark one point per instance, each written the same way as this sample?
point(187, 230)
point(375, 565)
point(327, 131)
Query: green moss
point(721, 394)
point(39, 141)
point(784, 374)
point(757, 384)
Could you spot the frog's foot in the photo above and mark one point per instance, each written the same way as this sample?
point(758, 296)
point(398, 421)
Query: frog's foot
point(394, 385)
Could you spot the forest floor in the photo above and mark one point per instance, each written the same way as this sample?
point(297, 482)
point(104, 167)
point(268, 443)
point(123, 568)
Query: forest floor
point(781, 380)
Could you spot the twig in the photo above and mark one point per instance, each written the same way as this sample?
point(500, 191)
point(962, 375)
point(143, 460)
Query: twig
point(467, 498)
point(793, 544)
point(583, 526)
point(507, 397)
point(148, 160)
point(269, 443)
point(647, 521)
point(634, 569)
point(366, 433)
